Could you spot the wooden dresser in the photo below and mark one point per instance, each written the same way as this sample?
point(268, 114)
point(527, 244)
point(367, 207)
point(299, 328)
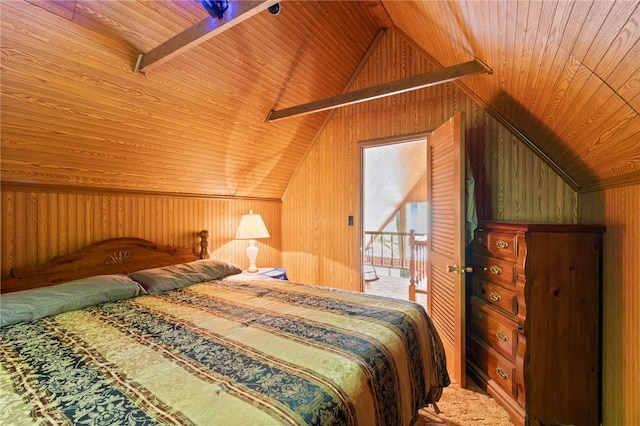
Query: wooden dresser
point(533, 320)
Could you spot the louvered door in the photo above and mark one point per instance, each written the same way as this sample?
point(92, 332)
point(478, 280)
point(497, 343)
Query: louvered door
point(445, 195)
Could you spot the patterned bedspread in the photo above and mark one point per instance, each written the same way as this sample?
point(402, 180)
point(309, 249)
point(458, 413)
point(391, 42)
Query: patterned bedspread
point(258, 352)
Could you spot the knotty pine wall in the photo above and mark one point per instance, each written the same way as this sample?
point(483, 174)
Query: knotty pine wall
point(40, 222)
point(310, 224)
point(618, 209)
point(512, 182)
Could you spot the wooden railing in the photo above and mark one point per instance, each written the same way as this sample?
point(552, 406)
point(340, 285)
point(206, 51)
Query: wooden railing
point(399, 250)
point(418, 264)
point(387, 249)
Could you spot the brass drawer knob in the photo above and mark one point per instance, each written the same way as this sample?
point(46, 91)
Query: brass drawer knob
point(495, 269)
point(502, 336)
point(501, 244)
point(495, 296)
point(501, 373)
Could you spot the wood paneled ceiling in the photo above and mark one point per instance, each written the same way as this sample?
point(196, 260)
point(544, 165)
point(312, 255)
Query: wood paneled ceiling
point(390, 173)
point(566, 76)
point(75, 113)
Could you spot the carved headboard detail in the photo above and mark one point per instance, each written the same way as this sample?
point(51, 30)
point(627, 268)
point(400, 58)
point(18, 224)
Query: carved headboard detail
point(112, 256)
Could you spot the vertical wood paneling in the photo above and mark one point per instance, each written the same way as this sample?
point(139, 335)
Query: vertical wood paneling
point(54, 227)
point(39, 224)
point(520, 186)
point(618, 209)
point(32, 223)
point(508, 193)
point(8, 227)
point(71, 213)
point(43, 227)
point(319, 247)
point(20, 230)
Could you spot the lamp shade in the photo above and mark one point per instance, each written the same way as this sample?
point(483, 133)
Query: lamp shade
point(251, 227)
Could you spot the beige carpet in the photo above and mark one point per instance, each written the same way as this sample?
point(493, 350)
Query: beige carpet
point(469, 406)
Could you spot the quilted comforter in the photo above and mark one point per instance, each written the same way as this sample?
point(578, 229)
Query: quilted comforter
point(257, 352)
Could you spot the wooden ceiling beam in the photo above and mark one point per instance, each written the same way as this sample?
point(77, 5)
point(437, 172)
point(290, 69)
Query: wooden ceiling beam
point(431, 78)
point(237, 12)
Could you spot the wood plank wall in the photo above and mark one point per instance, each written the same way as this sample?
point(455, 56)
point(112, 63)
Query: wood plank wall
point(618, 209)
point(512, 182)
point(39, 223)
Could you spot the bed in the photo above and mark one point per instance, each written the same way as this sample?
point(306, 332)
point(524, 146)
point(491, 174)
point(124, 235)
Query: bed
point(129, 332)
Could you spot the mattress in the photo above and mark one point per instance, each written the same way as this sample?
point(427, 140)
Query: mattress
point(225, 352)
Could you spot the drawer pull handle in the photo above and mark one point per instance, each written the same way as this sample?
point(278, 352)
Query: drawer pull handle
point(503, 374)
point(502, 336)
point(495, 269)
point(501, 244)
point(495, 296)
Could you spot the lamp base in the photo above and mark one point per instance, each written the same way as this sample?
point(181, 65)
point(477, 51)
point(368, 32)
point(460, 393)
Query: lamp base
point(252, 254)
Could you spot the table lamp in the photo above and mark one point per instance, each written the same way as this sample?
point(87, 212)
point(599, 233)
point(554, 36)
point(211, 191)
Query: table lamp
point(251, 228)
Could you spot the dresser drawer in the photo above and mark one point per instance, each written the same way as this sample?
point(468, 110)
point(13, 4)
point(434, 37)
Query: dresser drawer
point(494, 270)
point(500, 370)
point(499, 244)
point(500, 332)
point(498, 296)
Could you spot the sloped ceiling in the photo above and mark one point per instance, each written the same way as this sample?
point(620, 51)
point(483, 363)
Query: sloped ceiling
point(565, 76)
point(390, 172)
point(75, 113)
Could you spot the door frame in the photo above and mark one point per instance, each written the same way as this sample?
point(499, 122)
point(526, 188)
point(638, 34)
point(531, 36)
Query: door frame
point(359, 185)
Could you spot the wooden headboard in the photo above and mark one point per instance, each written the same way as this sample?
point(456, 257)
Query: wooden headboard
point(112, 256)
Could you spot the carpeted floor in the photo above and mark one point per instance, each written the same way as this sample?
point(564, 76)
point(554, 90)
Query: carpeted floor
point(468, 406)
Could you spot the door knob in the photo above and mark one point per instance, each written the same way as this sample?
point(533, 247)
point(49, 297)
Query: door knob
point(457, 270)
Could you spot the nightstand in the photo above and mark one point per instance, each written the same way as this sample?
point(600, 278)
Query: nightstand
point(276, 273)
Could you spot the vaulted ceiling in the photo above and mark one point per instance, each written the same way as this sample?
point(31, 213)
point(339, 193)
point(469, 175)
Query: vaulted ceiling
point(566, 77)
point(566, 74)
point(390, 173)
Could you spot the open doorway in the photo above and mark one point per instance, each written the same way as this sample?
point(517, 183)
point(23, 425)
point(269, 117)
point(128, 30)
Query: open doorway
point(394, 193)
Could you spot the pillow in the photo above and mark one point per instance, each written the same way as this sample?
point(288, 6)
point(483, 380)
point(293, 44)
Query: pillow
point(28, 305)
point(165, 278)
